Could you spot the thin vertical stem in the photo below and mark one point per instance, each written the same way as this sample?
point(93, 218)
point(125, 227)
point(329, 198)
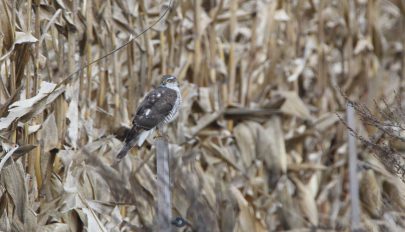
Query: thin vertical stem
point(197, 42)
point(232, 57)
point(163, 54)
point(89, 56)
point(147, 42)
point(352, 151)
point(245, 98)
point(132, 75)
point(353, 180)
point(321, 54)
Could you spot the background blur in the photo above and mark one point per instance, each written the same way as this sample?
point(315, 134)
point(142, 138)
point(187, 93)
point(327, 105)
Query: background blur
point(258, 145)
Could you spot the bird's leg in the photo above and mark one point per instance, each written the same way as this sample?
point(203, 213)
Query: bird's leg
point(160, 133)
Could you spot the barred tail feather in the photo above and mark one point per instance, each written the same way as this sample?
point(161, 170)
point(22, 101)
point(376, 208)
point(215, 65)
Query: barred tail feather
point(130, 140)
point(124, 151)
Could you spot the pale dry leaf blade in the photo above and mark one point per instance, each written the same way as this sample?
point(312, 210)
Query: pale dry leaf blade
point(6, 157)
point(306, 202)
point(93, 222)
point(49, 133)
point(56, 227)
point(4, 222)
point(273, 149)
point(288, 212)
point(246, 142)
point(13, 179)
point(370, 193)
point(21, 108)
point(70, 183)
point(23, 37)
point(294, 105)
point(46, 88)
point(73, 128)
point(246, 219)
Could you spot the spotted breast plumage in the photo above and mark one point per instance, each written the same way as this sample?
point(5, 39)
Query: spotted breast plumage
point(159, 107)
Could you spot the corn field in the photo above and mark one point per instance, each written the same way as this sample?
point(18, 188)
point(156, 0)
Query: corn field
point(262, 140)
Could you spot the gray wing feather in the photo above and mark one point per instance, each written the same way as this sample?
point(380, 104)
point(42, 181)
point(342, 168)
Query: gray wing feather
point(155, 107)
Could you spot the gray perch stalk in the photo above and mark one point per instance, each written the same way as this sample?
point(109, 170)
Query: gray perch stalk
point(164, 206)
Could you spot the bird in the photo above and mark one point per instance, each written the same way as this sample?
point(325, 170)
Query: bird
point(159, 107)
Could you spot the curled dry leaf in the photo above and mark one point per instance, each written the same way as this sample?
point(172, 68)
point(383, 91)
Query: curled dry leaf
point(246, 219)
point(272, 147)
point(326, 121)
point(20, 38)
point(306, 202)
point(56, 227)
point(246, 135)
point(370, 193)
point(281, 15)
point(93, 222)
point(204, 99)
point(12, 178)
point(73, 115)
point(49, 133)
point(288, 211)
point(395, 190)
point(293, 105)
point(20, 108)
point(369, 225)
point(4, 222)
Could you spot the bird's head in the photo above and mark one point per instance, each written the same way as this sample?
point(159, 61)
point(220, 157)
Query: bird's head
point(169, 81)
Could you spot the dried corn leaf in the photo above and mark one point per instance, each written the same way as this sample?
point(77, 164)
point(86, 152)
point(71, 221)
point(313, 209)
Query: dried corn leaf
point(395, 190)
point(49, 133)
point(56, 227)
point(20, 38)
point(306, 202)
point(246, 219)
point(246, 135)
point(93, 222)
point(13, 179)
point(4, 222)
point(272, 146)
point(370, 193)
point(293, 105)
point(288, 211)
point(20, 108)
point(299, 51)
point(325, 121)
point(73, 115)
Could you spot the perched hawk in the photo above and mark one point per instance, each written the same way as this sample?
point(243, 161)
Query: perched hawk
point(159, 108)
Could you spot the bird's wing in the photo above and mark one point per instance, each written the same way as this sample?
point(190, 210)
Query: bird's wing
point(155, 107)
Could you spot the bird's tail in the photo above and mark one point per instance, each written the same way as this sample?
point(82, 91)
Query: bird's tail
point(124, 151)
point(130, 140)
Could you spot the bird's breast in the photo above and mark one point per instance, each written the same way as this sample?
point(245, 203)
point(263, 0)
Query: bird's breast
point(174, 112)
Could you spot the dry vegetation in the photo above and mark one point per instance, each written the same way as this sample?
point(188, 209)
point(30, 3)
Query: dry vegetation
point(258, 145)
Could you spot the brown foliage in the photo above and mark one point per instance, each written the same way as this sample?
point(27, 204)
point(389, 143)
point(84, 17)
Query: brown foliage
point(257, 145)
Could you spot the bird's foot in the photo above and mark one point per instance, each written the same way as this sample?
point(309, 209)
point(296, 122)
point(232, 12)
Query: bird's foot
point(160, 136)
